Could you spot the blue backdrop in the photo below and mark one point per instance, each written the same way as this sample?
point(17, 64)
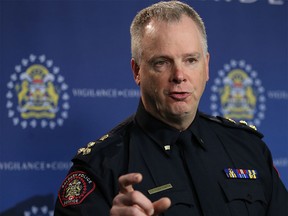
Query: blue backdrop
point(66, 80)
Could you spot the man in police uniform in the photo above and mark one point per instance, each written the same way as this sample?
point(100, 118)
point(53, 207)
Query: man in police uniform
point(169, 158)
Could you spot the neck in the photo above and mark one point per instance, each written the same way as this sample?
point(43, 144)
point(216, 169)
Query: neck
point(181, 123)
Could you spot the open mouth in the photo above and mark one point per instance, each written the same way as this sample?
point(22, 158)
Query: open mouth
point(179, 96)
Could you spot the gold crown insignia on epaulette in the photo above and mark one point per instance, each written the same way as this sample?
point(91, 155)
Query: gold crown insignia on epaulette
point(88, 149)
point(231, 120)
point(243, 123)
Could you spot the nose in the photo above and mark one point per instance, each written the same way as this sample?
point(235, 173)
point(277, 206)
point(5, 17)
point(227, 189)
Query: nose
point(177, 75)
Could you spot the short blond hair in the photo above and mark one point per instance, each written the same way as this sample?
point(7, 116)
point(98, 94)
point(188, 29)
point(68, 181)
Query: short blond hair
point(170, 11)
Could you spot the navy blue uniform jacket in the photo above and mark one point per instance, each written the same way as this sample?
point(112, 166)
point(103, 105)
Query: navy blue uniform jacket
point(225, 170)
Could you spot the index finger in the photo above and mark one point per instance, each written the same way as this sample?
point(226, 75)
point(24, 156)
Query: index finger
point(127, 181)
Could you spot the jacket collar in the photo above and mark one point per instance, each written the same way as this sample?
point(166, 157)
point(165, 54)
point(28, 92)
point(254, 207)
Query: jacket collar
point(163, 134)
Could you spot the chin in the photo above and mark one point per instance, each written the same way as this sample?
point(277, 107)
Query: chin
point(179, 113)
point(181, 109)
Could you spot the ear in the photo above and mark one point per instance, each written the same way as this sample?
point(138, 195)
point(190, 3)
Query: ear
point(135, 70)
point(207, 66)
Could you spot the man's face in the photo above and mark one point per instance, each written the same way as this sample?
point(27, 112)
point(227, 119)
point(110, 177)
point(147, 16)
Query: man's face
point(173, 70)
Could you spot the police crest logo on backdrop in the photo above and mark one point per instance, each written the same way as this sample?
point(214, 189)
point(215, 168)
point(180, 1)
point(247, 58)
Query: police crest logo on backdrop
point(37, 94)
point(237, 93)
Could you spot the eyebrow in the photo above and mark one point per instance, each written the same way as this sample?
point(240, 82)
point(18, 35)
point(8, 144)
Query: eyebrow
point(194, 54)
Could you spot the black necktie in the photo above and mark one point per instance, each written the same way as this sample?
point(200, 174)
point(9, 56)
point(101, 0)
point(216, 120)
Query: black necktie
point(202, 185)
point(184, 144)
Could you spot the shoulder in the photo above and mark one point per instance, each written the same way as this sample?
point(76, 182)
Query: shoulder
point(227, 123)
point(107, 145)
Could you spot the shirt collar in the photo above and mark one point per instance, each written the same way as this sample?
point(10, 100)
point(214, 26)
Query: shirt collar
point(163, 134)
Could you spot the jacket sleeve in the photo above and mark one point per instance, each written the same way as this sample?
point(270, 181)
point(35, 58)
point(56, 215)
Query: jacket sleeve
point(278, 204)
point(80, 194)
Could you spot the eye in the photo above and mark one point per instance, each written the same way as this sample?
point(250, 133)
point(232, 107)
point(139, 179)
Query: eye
point(161, 64)
point(191, 60)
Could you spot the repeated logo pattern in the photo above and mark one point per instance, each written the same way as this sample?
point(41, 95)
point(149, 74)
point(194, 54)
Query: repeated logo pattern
point(237, 93)
point(37, 94)
point(39, 211)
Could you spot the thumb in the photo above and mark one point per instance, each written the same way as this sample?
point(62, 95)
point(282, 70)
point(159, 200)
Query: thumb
point(161, 205)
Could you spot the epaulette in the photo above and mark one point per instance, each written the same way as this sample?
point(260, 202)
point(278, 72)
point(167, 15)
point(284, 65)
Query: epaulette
point(231, 123)
point(87, 150)
point(116, 130)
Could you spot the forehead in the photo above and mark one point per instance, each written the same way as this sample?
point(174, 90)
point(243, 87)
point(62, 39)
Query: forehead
point(158, 23)
point(174, 34)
